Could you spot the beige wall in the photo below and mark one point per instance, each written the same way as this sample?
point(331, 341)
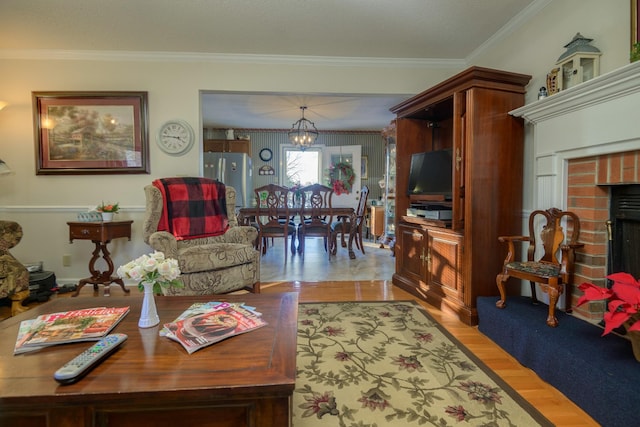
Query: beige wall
point(43, 204)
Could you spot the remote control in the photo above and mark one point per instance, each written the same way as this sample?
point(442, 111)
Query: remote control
point(80, 365)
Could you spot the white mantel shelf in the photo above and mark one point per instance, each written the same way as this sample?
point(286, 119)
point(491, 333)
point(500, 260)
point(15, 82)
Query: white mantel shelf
point(621, 82)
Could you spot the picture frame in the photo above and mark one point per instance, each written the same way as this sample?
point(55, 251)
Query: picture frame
point(84, 133)
point(635, 18)
point(364, 167)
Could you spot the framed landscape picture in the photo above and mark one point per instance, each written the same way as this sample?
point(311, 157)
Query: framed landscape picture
point(91, 132)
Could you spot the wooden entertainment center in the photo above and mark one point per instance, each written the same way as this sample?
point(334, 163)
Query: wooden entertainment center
point(449, 263)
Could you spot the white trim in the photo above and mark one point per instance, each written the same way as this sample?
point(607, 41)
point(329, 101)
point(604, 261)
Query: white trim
point(137, 56)
point(616, 84)
point(63, 209)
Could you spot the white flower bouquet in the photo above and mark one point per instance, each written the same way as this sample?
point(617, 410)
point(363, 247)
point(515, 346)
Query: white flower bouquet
point(155, 268)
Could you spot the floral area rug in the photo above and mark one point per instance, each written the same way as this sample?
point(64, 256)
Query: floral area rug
point(375, 364)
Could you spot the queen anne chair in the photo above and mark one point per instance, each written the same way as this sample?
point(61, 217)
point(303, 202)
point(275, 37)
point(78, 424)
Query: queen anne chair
point(273, 216)
point(14, 277)
point(318, 215)
point(554, 275)
point(343, 225)
point(211, 264)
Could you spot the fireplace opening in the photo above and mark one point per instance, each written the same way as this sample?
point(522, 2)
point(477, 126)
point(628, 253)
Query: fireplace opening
point(624, 237)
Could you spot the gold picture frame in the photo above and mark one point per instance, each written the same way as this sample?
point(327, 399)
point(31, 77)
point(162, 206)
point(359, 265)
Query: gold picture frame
point(635, 17)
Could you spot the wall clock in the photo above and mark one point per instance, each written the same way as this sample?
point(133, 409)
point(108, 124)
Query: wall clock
point(176, 137)
point(266, 155)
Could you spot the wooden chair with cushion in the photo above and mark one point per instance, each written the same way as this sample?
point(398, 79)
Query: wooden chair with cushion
point(318, 215)
point(14, 277)
point(212, 259)
point(273, 216)
point(343, 225)
point(554, 275)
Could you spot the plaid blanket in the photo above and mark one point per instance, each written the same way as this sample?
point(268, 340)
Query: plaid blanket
point(192, 207)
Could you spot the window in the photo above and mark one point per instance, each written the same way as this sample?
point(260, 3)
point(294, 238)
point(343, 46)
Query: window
point(303, 167)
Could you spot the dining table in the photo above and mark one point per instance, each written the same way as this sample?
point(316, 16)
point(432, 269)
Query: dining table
point(246, 215)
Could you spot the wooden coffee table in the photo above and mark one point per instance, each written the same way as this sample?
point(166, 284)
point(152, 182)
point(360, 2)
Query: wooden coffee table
point(246, 380)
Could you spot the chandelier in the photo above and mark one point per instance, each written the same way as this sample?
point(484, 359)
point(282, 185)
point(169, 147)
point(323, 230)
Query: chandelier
point(303, 133)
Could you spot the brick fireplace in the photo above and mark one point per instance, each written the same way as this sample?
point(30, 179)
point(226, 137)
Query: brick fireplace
point(586, 142)
point(589, 185)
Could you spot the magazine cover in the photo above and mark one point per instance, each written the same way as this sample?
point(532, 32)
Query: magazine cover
point(193, 310)
point(71, 326)
point(205, 329)
point(25, 327)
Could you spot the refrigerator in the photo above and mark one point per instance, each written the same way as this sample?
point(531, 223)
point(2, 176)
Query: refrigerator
point(234, 170)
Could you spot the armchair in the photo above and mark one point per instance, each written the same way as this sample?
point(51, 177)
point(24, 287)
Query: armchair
point(209, 265)
point(554, 275)
point(14, 277)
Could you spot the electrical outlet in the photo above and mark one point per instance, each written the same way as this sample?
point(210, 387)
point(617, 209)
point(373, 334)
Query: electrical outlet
point(66, 260)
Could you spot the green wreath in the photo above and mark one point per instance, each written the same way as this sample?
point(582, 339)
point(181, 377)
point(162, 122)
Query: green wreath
point(341, 177)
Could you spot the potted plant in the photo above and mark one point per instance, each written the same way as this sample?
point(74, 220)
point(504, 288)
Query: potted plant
point(635, 52)
point(108, 210)
point(623, 305)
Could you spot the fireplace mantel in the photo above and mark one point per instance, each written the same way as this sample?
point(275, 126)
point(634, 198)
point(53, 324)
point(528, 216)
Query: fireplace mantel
point(599, 90)
point(596, 117)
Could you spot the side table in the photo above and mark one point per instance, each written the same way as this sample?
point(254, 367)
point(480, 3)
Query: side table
point(100, 233)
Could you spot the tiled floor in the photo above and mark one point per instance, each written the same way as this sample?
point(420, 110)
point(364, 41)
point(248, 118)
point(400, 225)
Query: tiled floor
point(316, 266)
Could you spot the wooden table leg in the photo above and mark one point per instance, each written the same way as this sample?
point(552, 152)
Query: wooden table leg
point(104, 278)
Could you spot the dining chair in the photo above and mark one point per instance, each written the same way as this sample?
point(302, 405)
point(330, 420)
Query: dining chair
point(343, 225)
point(273, 216)
point(317, 215)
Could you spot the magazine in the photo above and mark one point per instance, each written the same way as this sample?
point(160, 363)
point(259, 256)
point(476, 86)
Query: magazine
point(216, 325)
point(193, 310)
point(89, 324)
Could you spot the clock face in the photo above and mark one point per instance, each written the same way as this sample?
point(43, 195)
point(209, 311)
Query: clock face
point(175, 137)
point(266, 155)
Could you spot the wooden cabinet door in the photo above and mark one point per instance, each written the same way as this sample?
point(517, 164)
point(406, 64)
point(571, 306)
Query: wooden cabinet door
point(228, 146)
point(377, 220)
point(411, 260)
point(239, 146)
point(215, 145)
point(445, 264)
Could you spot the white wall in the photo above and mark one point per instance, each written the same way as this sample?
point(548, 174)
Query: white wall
point(43, 204)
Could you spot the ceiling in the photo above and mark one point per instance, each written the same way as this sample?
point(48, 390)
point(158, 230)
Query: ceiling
point(347, 29)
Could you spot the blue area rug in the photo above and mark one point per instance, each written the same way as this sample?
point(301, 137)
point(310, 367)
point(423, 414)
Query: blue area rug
point(598, 373)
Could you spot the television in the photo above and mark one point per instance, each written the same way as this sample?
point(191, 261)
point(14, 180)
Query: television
point(430, 173)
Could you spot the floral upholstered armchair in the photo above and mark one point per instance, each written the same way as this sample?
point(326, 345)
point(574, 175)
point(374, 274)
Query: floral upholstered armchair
point(14, 277)
point(209, 265)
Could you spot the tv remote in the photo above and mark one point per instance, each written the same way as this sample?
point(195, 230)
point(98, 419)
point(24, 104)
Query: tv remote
point(80, 365)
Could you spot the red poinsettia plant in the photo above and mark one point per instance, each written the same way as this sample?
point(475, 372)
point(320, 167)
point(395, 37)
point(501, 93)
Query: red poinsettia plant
point(624, 301)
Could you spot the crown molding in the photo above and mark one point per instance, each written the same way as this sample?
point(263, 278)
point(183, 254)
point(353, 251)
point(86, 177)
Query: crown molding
point(515, 23)
point(112, 55)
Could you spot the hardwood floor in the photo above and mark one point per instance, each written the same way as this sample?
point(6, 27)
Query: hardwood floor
point(368, 278)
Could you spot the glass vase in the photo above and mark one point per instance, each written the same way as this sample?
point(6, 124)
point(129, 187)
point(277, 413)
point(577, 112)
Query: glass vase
point(149, 314)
